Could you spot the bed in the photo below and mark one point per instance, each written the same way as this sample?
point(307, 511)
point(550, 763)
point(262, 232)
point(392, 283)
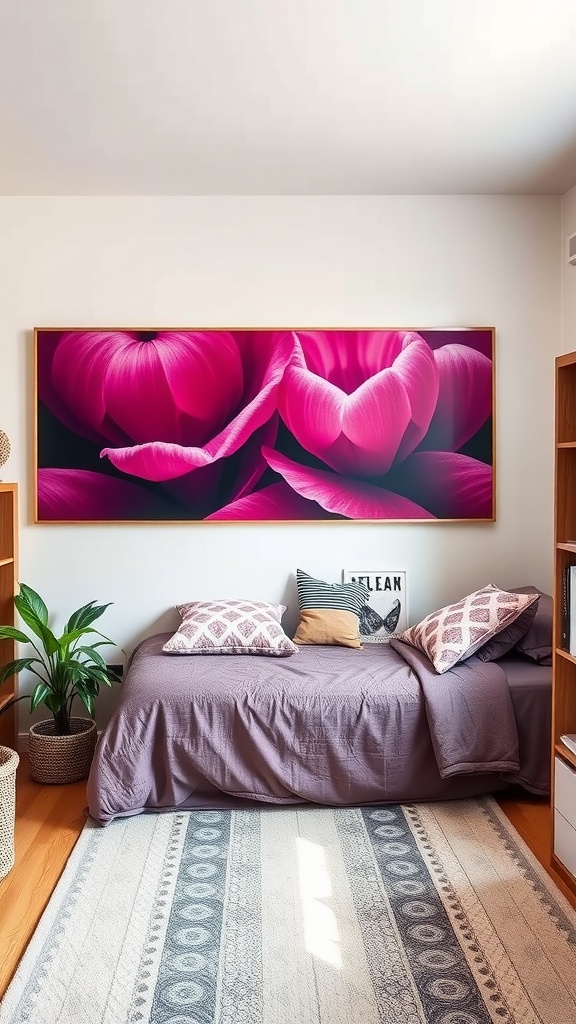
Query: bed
point(330, 726)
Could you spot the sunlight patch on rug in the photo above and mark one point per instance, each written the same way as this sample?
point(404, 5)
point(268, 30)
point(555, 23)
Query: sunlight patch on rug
point(420, 914)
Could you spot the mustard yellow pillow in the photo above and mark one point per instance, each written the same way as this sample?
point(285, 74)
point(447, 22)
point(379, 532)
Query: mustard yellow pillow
point(329, 612)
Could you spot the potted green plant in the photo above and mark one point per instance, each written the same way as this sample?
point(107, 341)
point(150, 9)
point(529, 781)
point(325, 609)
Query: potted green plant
point(68, 667)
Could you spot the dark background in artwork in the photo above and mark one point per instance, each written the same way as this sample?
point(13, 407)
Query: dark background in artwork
point(480, 446)
point(61, 448)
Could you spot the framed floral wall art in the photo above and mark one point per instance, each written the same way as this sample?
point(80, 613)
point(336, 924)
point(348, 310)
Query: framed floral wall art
point(290, 424)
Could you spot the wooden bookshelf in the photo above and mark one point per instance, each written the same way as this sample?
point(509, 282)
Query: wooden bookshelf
point(564, 663)
point(8, 585)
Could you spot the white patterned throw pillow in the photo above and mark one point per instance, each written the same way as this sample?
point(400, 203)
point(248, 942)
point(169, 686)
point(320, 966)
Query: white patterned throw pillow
point(457, 631)
point(231, 627)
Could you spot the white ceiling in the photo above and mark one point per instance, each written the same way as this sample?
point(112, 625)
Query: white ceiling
point(250, 97)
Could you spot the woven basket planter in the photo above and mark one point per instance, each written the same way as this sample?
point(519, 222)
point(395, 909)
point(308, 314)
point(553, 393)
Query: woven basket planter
point(8, 764)
point(60, 759)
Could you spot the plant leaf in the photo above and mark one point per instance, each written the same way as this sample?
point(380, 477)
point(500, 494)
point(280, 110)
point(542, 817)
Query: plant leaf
point(104, 637)
point(37, 626)
point(13, 667)
point(96, 673)
point(33, 603)
point(71, 670)
point(39, 695)
point(93, 656)
point(75, 634)
point(10, 633)
point(92, 687)
point(88, 702)
point(76, 619)
point(101, 676)
point(84, 616)
point(55, 702)
point(88, 629)
point(11, 703)
point(85, 678)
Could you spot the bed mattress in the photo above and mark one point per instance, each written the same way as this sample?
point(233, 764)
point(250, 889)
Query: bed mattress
point(329, 725)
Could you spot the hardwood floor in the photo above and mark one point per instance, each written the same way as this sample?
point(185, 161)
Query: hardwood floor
point(49, 819)
point(531, 817)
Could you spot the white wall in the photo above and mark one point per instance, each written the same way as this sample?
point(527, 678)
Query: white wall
point(244, 261)
point(568, 274)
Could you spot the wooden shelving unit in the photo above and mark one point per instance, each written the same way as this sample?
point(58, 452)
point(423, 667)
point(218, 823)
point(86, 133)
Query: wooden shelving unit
point(564, 664)
point(8, 585)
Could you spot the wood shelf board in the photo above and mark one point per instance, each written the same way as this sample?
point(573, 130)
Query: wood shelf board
point(566, 444)
point(565, 753)
point(7, 561)
point(565, 654)
point(566, 359)
point(567, 546)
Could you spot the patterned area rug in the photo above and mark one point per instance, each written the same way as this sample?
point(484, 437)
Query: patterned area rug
point(430, 913)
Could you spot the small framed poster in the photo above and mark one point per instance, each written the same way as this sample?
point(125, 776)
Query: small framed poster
point(386, 613)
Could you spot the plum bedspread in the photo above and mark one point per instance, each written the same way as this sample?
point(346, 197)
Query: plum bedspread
point(329, 725)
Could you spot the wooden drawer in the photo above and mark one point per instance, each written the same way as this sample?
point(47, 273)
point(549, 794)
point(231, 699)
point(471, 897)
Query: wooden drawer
point(565, 791)
point(565, 842)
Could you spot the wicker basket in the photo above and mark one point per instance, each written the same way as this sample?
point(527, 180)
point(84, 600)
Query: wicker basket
point(60, 759)
point(8, 764)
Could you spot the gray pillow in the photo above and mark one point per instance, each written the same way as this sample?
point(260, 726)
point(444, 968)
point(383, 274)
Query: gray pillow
point(511, 635)
point(537, 641)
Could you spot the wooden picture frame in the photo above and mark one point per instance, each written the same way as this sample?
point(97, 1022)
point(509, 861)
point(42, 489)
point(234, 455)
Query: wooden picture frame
point(252, 425)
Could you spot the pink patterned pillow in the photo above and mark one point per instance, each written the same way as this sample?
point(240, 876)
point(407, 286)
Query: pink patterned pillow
point(231, 627)
point(455, 632)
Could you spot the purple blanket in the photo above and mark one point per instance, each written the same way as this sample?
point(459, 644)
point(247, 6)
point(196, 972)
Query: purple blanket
point(329, 725)
point(470, 714)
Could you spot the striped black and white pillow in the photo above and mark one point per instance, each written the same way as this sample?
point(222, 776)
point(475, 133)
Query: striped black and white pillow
point(329, 612)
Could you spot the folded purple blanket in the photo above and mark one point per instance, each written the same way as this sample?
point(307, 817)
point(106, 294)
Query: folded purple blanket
point(470, 714)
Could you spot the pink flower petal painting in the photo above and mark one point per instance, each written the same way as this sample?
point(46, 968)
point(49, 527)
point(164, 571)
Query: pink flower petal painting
point(284, 425)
